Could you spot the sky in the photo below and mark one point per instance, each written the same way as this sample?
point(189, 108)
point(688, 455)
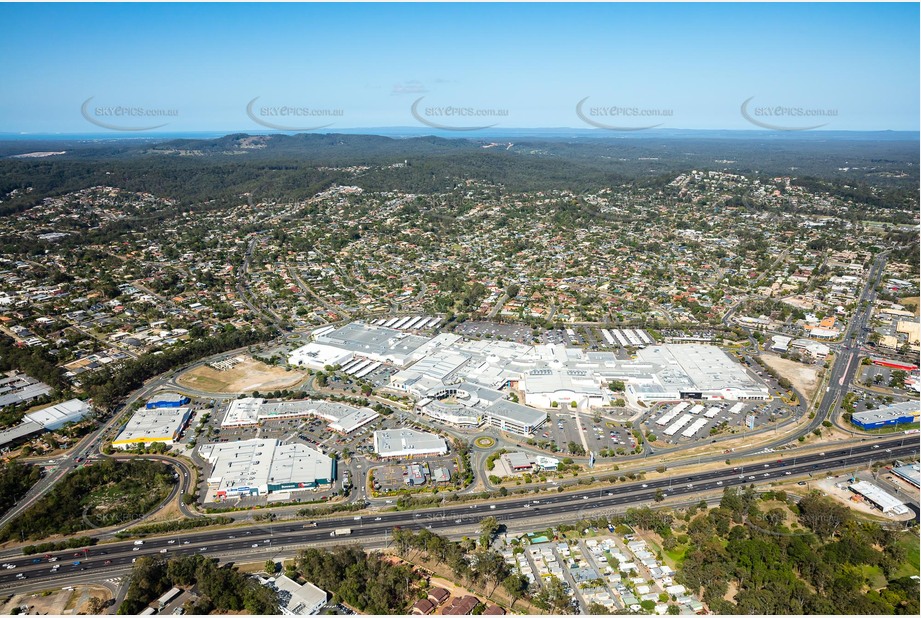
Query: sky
point(76, 68)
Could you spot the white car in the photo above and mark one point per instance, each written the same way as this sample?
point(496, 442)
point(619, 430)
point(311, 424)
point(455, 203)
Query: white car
point(255, 545)
point(377, 519)
point(173, 542)
point(719, 482)
point(135, 548)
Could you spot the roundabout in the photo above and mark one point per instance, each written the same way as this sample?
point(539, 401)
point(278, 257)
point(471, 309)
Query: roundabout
point(484, 442)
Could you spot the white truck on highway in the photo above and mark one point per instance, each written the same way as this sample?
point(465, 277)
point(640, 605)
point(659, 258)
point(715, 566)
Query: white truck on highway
point(341, 532)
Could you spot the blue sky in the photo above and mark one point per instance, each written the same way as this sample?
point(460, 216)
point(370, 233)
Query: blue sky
point(693, 65)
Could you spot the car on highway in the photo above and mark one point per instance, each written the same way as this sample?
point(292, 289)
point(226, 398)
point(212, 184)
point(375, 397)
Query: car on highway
point(377, 519)
point(255, 545)
point(171, 542)
point(719, 482)
point(135, 549)
point(751, 478)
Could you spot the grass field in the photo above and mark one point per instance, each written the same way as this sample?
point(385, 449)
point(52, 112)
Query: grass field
point(911, 303)
point(912, 564)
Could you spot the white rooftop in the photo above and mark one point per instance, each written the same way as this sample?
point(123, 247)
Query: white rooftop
point(884, 500)
point(152, 425)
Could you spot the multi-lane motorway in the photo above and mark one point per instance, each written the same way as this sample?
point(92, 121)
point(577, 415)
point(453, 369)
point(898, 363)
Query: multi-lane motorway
point(262, 541)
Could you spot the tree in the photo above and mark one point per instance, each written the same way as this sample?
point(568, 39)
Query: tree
point(489, 526)
point(597, 609)
point(897, 378)
point(516, 585)
point(553, 595)
point(822, 515)
point(97, 606)
point(270, 567)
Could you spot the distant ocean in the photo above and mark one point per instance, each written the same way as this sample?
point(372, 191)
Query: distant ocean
point(492, 133)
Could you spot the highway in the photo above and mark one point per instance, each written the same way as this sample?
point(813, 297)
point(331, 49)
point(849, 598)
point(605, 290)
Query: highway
point(259, 542)
point(847, 361)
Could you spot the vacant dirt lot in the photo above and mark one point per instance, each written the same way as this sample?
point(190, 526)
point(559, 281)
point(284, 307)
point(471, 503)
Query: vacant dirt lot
point(249, 375)
point(58, 601)
point(805, 378)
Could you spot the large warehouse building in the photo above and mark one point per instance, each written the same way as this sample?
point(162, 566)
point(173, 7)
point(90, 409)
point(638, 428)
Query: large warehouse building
point(259, 467)
point(148, 426)
point(694, 371)
point(895, 414)
point(167, 400)
point(58, 415)
point(47, 419)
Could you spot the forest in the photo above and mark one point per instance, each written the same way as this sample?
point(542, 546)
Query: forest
point(107, 493)
point(810, 557)
point(221, 589)
point(15, 480)
point(881, 171)
point(363, 580)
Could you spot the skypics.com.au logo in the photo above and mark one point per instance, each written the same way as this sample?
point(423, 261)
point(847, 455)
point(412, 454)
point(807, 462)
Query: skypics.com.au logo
point(784, 117)
point(118, 117)
point(443, 117)
point(282, 117)
point(591, 115)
